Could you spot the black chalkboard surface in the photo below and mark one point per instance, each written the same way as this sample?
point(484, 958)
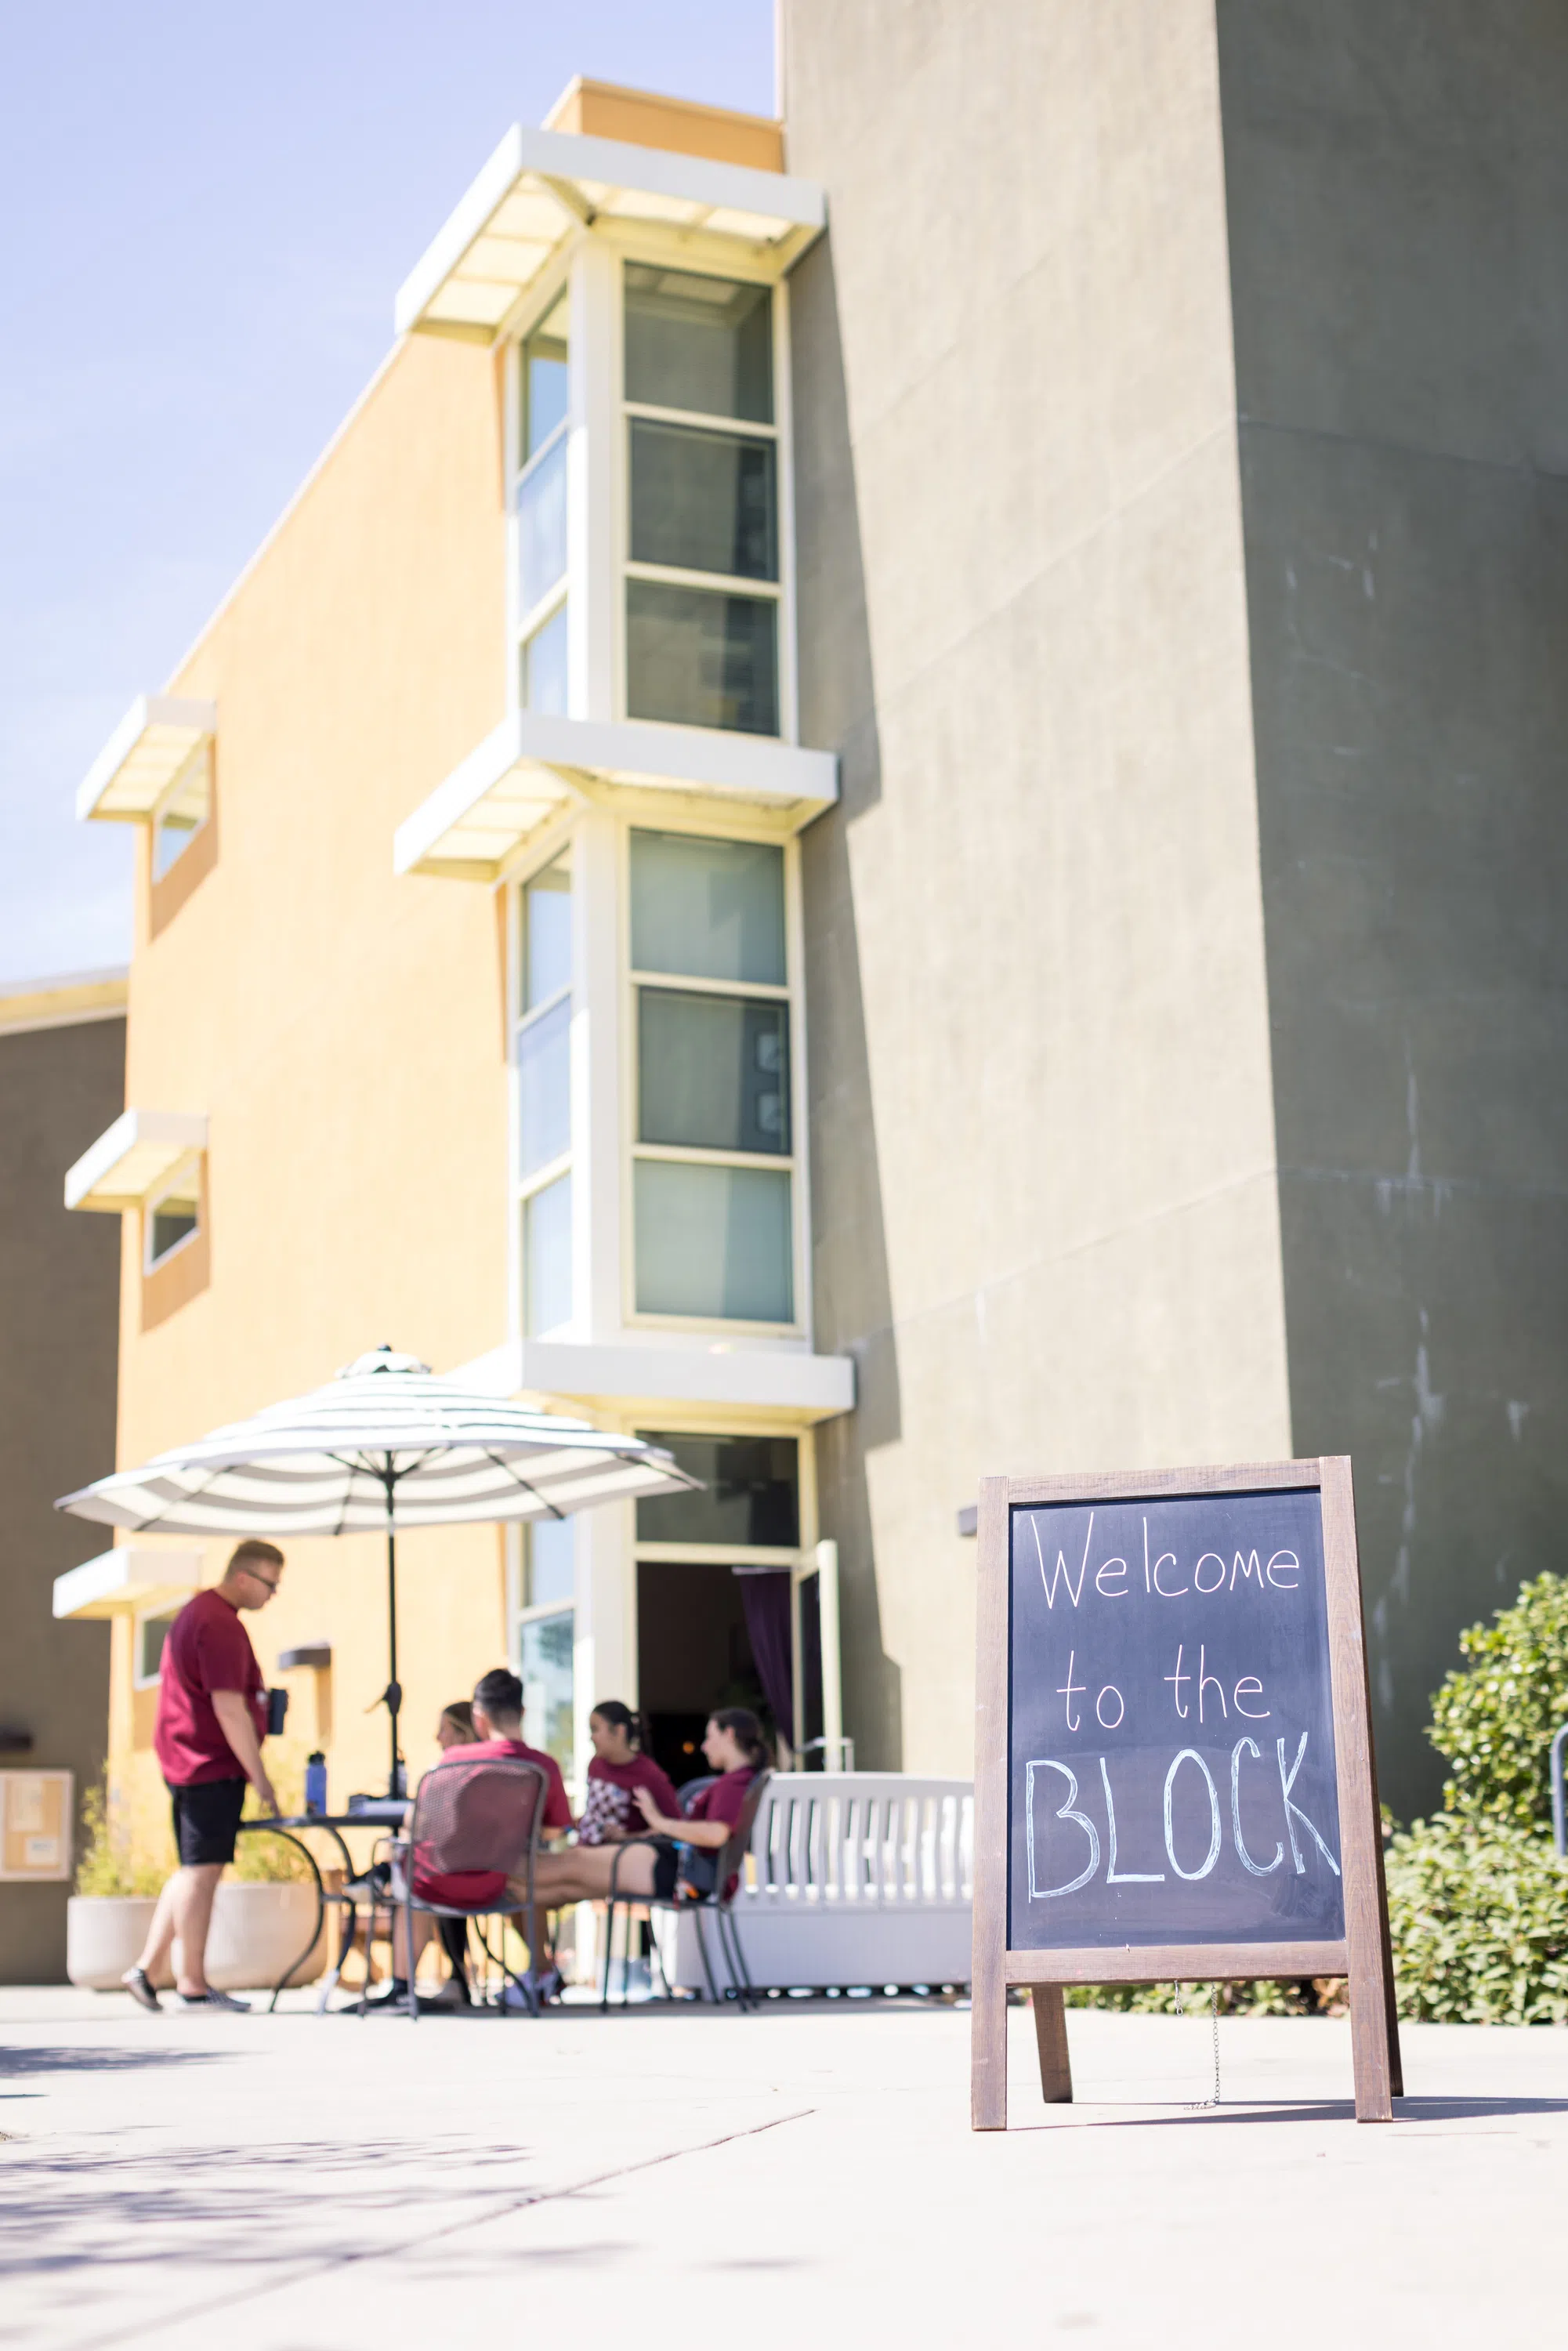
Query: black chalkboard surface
point(1172, 1768)
point(1174, 1774)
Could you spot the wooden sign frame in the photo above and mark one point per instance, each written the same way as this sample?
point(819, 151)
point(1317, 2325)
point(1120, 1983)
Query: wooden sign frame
point(1363, 1956)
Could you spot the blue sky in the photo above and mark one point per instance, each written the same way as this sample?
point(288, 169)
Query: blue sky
point(208, 211)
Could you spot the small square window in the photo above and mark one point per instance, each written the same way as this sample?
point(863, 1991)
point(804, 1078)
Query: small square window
point(152, 1632)
point(696, 657)
point(173, 1218)
point(703, 344)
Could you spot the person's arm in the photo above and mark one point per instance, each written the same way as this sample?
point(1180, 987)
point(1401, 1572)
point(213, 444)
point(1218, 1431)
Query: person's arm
point(237, 1723)
point(712, 1836)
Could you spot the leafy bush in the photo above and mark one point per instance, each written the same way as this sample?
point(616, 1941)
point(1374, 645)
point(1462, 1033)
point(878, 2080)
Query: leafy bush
point(1493, 1722)
point(1322, 1996)
point(1478, 1914)
point(108, 1864)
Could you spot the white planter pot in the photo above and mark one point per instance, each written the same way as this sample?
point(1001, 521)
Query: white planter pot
point(255, 1931)
point(104, 1935)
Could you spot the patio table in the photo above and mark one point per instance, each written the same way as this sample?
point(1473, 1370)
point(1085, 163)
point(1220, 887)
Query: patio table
point(382, 1814)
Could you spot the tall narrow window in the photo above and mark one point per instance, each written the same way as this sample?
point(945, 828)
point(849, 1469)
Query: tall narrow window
point(546, 1625)
point(543, 1057)
point(541, 513)
point(713, 1180)
point(173, 1218)
point(702, 587)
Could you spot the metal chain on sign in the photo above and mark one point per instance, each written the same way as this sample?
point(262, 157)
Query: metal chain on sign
point(1202, 2105)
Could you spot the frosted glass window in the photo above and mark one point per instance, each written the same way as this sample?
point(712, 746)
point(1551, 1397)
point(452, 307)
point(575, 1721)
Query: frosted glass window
point(714, 1241)
point(707, 909)
point(544, 673)
point(545, 1668)
point(541, 527)
point(694, 658)
point(713, 1071)
point(545, 381)
point(700, 343)
point(544, 1088)
point(174, 1220)
point(550, 1555)
point(703, 501)
point(547, 1257)
point(546, 934)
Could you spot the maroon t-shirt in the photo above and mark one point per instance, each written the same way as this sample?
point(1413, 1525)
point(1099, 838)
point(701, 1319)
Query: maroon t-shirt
point(208, 1649)
point(611, 1801)
point(472, 1886)
point(724, 1801)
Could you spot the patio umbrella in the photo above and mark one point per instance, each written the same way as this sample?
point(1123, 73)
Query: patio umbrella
point(385, 1446)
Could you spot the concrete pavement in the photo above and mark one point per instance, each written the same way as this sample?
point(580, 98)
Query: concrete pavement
point(296, 2184)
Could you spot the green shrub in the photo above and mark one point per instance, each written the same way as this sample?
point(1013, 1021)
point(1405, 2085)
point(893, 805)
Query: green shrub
point(1478, 1914)
point(1493, 1722)
point(107, 1865)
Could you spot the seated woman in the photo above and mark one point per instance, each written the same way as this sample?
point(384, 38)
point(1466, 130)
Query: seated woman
point(456, 1729)
point(648, 1862)
point(619, 1769)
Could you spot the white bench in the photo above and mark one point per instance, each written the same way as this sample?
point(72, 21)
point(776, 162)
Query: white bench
point(852, 1878)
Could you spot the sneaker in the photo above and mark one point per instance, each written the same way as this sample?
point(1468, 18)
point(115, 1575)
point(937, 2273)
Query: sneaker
point(453, 1993)
point(391, 1995)
point(210, 1999)
point(139, 1984)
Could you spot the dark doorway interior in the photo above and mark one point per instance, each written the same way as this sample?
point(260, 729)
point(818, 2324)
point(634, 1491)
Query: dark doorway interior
point(692, 1655)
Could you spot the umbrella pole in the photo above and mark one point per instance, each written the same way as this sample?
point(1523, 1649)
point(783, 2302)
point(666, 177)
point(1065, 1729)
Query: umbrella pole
point(394, 1692)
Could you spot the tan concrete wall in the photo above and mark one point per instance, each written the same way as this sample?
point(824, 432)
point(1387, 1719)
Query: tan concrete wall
point(1042, 1143)
point(60, 1088)
point(342, 1030)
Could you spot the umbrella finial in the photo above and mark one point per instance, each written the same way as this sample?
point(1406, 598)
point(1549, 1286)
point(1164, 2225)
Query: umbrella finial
point(381, 1359)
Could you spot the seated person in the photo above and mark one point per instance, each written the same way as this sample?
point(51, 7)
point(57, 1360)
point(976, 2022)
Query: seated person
point(649, 1863)
point(498, 1716)
point(454, 1728)
point(619, 1768)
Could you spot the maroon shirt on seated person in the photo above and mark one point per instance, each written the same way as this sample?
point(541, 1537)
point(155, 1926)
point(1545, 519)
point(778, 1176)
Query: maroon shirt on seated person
point(724, 1801)
point(472, 1886)
point(611, 1801)
point(208, 1649)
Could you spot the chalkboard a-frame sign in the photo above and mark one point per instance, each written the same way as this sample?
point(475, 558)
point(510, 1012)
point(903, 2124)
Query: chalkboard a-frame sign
point(1174, 1774)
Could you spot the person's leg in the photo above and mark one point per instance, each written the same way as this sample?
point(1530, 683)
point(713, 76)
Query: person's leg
point(160, 1930)
point(193, 1889)
point(454, 1943)
point(582, 1874)
point(400, 1967)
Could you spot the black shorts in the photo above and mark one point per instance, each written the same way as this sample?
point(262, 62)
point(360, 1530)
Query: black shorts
point(666, 1856)
point(205, 1818)
point(699, 1870)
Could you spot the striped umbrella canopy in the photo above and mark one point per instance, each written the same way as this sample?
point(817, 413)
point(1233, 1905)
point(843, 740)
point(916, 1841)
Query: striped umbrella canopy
point(383, 1448)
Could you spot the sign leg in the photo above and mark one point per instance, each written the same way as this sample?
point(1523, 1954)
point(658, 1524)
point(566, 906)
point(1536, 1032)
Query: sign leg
point(988, 2053)
point(1050, 2039)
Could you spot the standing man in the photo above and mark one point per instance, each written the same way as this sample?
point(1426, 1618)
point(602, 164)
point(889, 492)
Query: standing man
point(212, 1719)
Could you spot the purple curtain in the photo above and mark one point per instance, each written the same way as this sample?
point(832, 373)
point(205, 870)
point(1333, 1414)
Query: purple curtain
point(766, 1598)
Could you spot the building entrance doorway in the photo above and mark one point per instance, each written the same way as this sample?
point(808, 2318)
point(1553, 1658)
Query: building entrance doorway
point(693, 1654)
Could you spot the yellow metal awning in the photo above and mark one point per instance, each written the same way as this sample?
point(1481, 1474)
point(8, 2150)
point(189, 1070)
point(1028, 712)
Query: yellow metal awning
point(148, 751)
point(127, 1578)
point(540, 187)
point(132, 1158)
point(535, 764)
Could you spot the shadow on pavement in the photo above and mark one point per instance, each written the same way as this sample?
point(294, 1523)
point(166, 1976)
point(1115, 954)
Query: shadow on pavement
point(1314, 2110)
point(103, 2061)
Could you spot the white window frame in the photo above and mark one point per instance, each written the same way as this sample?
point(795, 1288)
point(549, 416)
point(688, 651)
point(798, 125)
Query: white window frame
point(779, 431)
point(523, 625)
point(201, 757)
point(173, 1182)
point(558, 842)
point(792, 1162)
point(145, 1616)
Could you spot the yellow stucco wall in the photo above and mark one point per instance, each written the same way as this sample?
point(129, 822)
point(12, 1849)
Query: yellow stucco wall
point(341, 1030)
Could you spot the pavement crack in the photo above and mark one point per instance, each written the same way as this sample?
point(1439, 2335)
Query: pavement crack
point(499, 2209)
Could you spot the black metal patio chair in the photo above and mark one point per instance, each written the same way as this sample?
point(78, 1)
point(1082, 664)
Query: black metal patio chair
point(482, 1813)
point(728, 1870)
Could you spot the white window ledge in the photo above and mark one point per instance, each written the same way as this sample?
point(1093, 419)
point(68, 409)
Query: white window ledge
point(154, 742)
point(793, 1385)
point(130, 1159)
point(533, 764)
point(540, 187)
point(127, 1578)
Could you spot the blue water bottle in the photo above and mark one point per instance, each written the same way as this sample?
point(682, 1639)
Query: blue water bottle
point(315, 1782)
